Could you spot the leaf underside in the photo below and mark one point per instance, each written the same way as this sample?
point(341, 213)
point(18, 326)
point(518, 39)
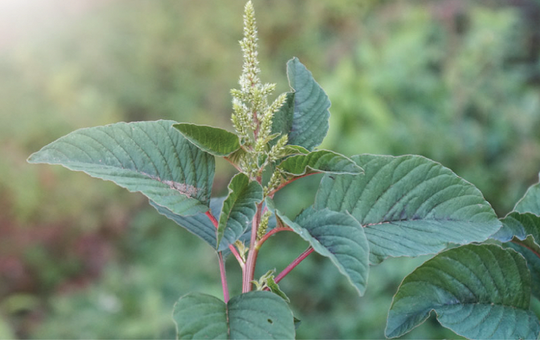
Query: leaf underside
point(254, 315)
point(147, 157)
point(478, 291)
point(409, 205)
point(339, 237)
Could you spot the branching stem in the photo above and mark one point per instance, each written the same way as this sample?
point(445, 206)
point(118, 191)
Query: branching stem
point(253, 252)
point(293, 264)
point(231, 247)
point(270, 233)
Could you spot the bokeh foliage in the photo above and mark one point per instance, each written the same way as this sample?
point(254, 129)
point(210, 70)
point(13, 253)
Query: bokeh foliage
point(456, 81)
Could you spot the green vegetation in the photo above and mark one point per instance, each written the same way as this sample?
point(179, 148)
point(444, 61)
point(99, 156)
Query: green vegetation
point(456, 85)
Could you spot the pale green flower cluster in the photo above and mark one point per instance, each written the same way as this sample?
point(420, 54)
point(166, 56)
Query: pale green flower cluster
point(252, 117)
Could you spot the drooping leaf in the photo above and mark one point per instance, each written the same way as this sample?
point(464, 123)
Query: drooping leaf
point(148, 157)
point(199, 224)
point(337, 236)
point(524, 232)
point(520, 226)
point(215, 141)
point(310, 116)
point(318, 162)
point(409, 205)
point(238, 209)
point(530, 202)
point(478, 291)
point(254, 315)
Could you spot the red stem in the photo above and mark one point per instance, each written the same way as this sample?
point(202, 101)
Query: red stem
point(270, 233)
point(223, 277)
point(293, 264)
point(253, 252)
point(273, 192)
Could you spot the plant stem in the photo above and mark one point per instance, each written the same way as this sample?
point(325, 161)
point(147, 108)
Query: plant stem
point(270, 233)
point(223, 277)
point(293, 264)
point(231, 247)
point(253, 252)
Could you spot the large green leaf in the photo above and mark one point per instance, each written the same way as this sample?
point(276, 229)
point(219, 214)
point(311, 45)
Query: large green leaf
point(319, 161)
point(215, 141)
point(238, 209)
point(148, 157)
point(480, 292)
point(310, 115)
point(531, 201)
point(409, 205)
point(337, 236)
point(254, 315)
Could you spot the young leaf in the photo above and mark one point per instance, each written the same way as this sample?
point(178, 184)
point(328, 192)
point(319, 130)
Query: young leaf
point(337, 236)
point(215, 141)
point(238, 209)
point(480, 292)
point(254, 315)
point(409, 205)
point(309, 123)
point(531, 201)
point(317, 162)
point(148, 157)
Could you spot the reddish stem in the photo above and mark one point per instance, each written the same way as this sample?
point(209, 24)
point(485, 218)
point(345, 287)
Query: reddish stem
point(273, 192)
point(253, 252)
point(293, 264)
point(270, 233)
point(223, 277)
point(521, 243)
point(231, 247)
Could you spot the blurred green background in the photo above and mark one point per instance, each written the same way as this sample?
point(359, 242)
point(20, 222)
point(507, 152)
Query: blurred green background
point(453, 80)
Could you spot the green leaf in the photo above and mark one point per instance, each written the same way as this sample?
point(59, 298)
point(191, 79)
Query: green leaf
point(148, 157)
point(238, 209)
point(524, 232)
point(215, 141)
point(310, 116)
point(520, 226)
point(317, 162)
point(337, 236)
point(409, 205)
point(283, 118)
point(478, 291)
point(531, 201)
point(254, 315)
point(199, 224)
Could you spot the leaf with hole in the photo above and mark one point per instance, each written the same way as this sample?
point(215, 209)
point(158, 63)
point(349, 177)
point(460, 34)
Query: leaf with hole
point(254, 315)
point(478, 291)
point(148, 157)
point(409, 205)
